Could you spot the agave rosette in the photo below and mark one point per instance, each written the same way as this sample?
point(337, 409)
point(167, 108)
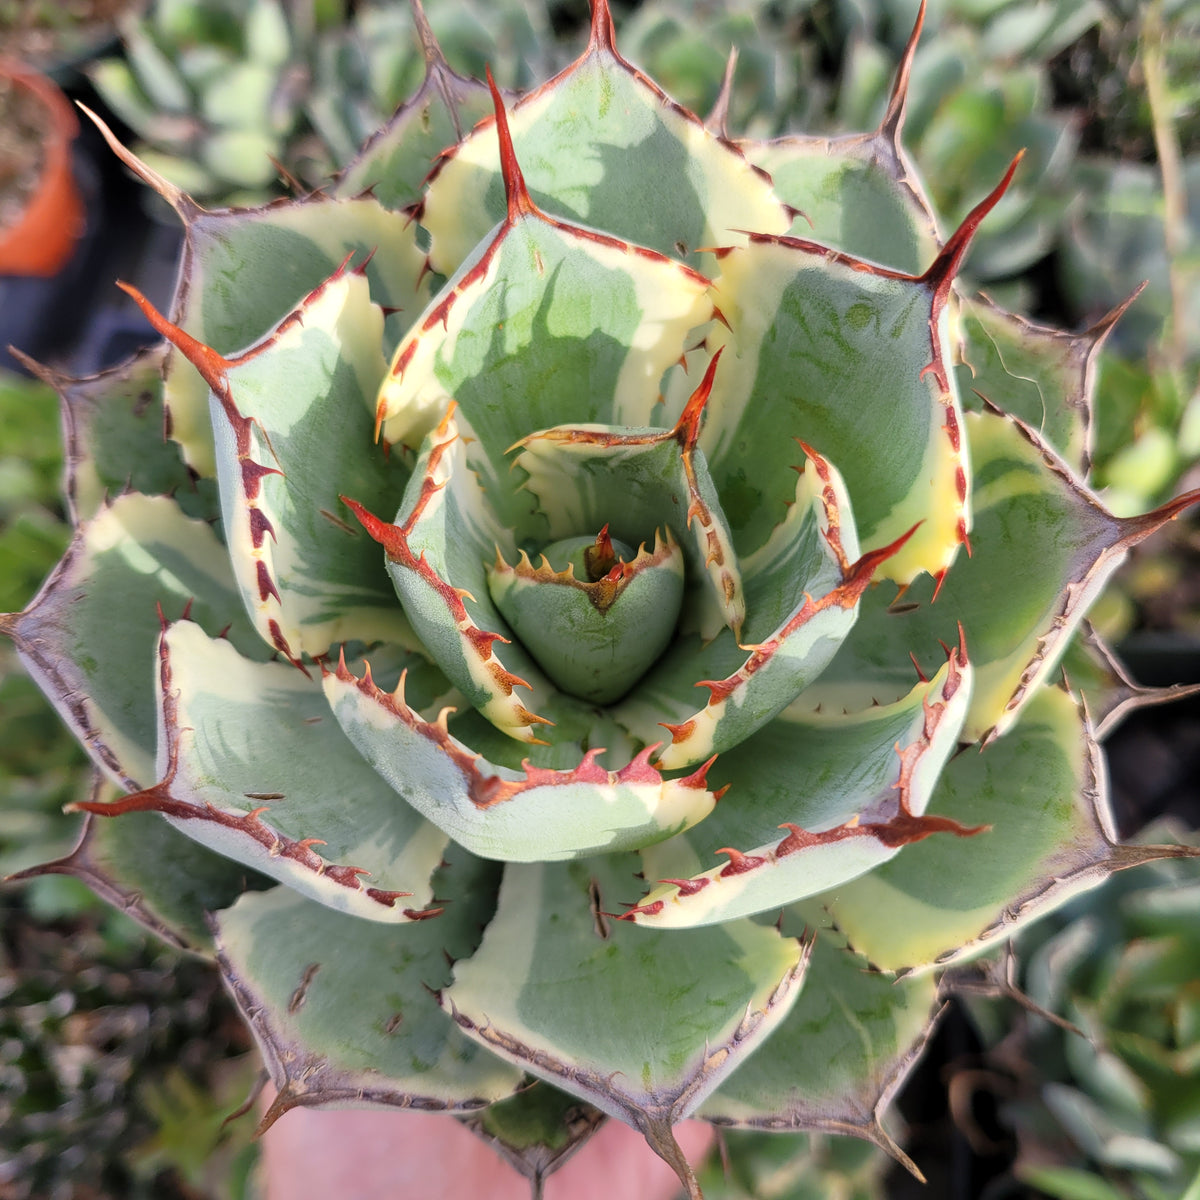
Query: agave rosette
point(647, 511)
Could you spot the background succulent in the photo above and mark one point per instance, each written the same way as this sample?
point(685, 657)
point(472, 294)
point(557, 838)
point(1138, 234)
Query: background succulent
point(230, 101)
point(698, 455)
point(1112, 1107)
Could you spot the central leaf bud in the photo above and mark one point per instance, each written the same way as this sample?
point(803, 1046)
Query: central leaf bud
point(594, 613)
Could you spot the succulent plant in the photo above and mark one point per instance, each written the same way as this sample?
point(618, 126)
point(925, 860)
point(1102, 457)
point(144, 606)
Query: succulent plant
point(454, 656)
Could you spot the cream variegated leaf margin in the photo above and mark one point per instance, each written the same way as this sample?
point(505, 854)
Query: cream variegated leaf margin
point(517, 815)
point(259, 261)
point(601, 145)
point(251, 764)
point(1018, 610)
point(345, 1011)
point(293, 432)
point(545, 324)
point(1043, 795)
point(142, 558)
point(851, 360)
point(594, 1005)
point(840, 1054)
point(812, 801)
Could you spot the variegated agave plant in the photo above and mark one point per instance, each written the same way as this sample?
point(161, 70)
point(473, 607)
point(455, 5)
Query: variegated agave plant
point(640, 533)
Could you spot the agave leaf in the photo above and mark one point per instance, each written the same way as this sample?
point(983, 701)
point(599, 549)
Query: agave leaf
point(594, 639)
point(437, 552)
point(546, 324)
point(533, 813)
point(167, 883)
point(138, 557)
point(752, 684)
point(855, 359)
point(858, 193)
point(840, 1055)
point(242, 270)
point(809, 553)
point(605, 147)
point(293, 419)
point(1042, 375)
point(394, 163)
point(571, 997)
point(577, 472)
point(1045, 798)
point(812, 801)
point(116, 438)
point(1019, 610)
point(536, 1130)
point(276, 254)
point(802, 599)
point(345, 1011)
point(250, 764)
point(854, 194)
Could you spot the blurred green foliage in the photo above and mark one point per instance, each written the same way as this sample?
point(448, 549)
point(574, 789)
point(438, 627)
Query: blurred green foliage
point(1109, 1106)
point(41, 766)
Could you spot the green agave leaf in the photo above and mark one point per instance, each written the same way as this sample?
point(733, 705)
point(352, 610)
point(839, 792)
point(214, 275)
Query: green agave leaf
point(594, 639)
point(137, 557)
point(802, 595)
point(292, 415)
point(546, 324)
point(601, 1009)
point(1044, 796)
point(530, 814)
point(251, 765)
point(605, 147)
point(838, 1058)
point(854, 358)
point(858, 193)
point(847, 792)
point(635, 481)
point(166, 882)
point(1019, 610)
point(536, 1130)
point(437, 553)
point(345, 1011)
point(244, 269)
point(394, 163)
point(1039, 374)
point(116, 438)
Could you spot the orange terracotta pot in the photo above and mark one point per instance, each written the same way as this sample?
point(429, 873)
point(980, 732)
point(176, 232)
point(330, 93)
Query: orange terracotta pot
point(43, 238)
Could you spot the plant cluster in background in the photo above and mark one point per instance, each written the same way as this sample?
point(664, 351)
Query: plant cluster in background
point(1100, 1079)
point(232, 102)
